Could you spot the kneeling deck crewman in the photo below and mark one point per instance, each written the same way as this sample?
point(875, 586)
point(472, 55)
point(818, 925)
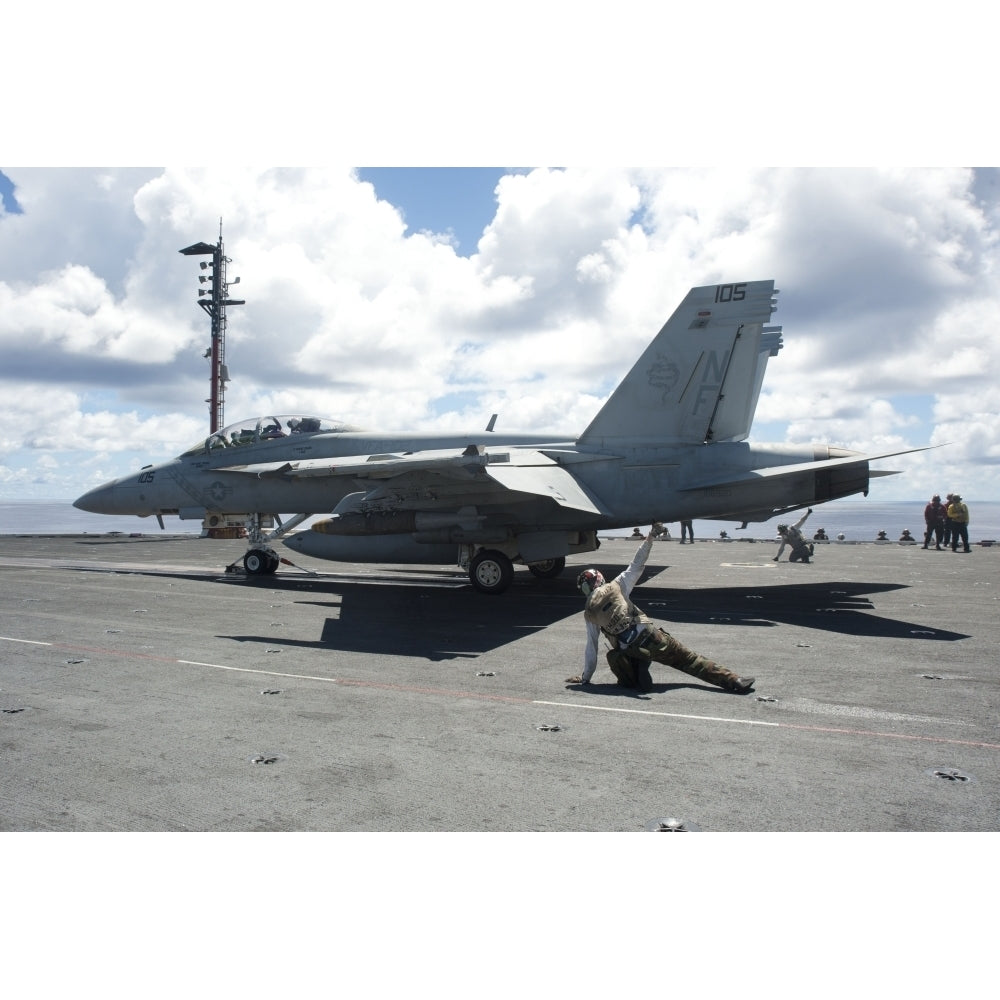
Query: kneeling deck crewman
point(635, 640)
point(801, 550)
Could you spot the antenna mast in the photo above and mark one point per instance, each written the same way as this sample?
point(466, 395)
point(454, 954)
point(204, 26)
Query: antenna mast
point(213, 297)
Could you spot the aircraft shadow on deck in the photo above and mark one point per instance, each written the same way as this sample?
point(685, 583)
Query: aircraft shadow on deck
point(455, 622)
point(844, 607)
point(431, 623)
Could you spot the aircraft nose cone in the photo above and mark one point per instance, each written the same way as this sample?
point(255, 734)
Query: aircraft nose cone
point(116, 497)
point(97, 500)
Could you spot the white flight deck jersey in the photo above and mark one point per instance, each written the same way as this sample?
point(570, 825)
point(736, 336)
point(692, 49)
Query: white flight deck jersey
point(609, 609)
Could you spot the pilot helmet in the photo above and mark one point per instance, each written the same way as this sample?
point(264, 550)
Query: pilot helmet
point(589, 580)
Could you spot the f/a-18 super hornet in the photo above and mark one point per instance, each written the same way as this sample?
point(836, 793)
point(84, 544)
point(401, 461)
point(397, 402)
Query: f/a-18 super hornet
point(669, 444)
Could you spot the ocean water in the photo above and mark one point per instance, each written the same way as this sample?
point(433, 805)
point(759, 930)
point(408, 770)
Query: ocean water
point(60, 517)
point(858, 520)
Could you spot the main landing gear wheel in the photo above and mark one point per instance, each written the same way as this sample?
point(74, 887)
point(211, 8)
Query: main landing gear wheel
point(257, 562)
point(548, 569)
point(491, 572)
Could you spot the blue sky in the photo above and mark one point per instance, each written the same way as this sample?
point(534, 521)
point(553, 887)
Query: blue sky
point(7, 199)
point(458, 200)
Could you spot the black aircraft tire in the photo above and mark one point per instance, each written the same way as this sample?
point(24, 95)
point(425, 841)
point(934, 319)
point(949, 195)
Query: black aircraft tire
point(491, 572)
point(548, 569)
point(257, 563)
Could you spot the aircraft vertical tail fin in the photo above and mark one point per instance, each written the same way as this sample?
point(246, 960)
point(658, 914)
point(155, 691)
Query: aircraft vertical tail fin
point(699, 380)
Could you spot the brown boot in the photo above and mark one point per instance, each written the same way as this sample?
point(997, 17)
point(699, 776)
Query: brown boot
point(721, 677)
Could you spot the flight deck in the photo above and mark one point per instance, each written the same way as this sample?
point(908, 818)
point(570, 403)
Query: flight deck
point(145, 688)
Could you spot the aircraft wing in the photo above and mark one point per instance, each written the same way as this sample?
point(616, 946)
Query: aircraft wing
point(419, 479)
point(760, 514)
point(778, 471)
point(550, 481)
point(760, 494)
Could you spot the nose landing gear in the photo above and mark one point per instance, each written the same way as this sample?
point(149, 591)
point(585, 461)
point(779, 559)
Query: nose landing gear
point(260, 559)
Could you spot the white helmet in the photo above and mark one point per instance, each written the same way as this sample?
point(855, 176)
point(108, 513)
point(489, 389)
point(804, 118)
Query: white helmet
point(589, 580)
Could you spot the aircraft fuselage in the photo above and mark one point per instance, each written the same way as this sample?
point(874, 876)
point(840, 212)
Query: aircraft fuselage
point(195, 485)
point(635, 486)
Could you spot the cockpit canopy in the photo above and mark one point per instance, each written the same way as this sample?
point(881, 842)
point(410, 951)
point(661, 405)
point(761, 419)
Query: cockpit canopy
point(260, 430)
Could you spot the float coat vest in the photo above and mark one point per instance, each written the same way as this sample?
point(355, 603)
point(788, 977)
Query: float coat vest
point(615, 615)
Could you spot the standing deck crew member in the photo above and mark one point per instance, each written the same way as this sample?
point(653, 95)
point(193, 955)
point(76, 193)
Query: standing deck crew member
point(958, 514)
point(934, 515)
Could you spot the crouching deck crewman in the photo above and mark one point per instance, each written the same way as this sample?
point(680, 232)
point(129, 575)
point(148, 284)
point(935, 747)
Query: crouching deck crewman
point(801, 549)
point(635, 640)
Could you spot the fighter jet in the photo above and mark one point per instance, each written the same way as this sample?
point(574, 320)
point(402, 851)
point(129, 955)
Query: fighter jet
point(670, 443)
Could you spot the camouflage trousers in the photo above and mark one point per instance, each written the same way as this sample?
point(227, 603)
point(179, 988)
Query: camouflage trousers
point(631, 663)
